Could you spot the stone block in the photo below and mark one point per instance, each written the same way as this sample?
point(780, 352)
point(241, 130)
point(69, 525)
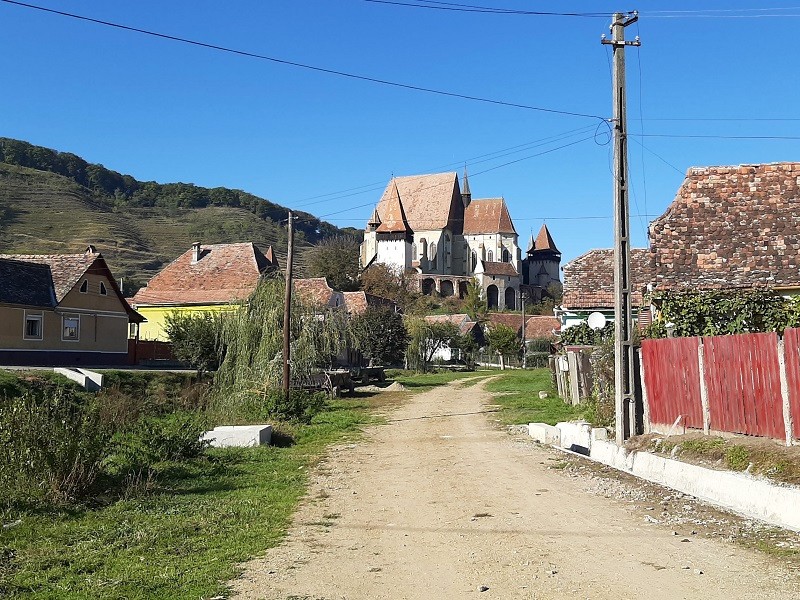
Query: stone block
point(544, 433)
point(238, 436)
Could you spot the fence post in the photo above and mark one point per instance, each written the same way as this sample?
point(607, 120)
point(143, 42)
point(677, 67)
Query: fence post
point(787, 409)
point(574, 393)
point(701, 363)
point(645, 404)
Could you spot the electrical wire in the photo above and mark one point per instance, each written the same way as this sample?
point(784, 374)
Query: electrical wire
point(309, 67)
point(716, 137)
point(455, 7)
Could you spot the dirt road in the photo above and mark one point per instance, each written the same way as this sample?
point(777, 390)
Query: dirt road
point(439, 503)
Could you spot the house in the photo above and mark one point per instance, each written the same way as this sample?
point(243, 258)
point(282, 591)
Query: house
point(62, 309)
point(589, 286)
point(542, 327)
point(429, 224)
point(465, 326)
point(206, 278)
point(734, 226)
point(357, 303)
point(316, 292)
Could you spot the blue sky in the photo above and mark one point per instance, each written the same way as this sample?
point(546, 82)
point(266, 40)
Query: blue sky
point(165, 111)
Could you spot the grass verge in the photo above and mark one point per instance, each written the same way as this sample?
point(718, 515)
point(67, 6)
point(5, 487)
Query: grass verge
point(185, 536)
point(518, 396)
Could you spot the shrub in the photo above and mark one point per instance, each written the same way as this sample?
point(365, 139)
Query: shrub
point(51, 444)
point(196, 339)
point(269, 404)
point(153, 440)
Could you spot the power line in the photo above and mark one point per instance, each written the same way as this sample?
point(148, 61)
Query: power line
point(291, 63)
point(455, 7)
point(473, 175)
point(717, 137)
point(658, 156)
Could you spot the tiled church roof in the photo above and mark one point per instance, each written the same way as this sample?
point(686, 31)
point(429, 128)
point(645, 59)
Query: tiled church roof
point(426, 200)
point(487, 215)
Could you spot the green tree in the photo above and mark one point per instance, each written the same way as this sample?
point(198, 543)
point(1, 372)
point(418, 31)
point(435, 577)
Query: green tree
point(474, 304)
point(196, 339)
point(381, 280)
point(380, 335)
point(425, 338)
point(336, 259)
point(504, 341)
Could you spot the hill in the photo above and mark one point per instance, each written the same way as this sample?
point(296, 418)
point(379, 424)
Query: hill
point(56, 202)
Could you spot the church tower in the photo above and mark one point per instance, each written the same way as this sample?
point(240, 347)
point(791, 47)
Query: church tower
point(544, 260)
point(466, 194)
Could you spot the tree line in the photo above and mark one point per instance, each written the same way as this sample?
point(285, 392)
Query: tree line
point(117, 190)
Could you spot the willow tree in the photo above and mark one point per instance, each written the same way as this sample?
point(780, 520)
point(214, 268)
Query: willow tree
point(251, 373)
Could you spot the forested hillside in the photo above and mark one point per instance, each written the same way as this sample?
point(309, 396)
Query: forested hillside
point(57, 202)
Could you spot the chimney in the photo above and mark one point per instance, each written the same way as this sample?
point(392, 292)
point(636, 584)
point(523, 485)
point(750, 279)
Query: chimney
point(195, 252)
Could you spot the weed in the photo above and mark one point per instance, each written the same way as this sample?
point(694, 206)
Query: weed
point(737, 457)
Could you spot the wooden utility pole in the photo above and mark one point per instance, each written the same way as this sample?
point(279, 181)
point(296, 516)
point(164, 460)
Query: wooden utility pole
point(624, 392)
point(287, 311)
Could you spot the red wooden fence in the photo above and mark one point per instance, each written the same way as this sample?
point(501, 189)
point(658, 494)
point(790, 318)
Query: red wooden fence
point(741, 376)
point(672, 373)
point(146, 350)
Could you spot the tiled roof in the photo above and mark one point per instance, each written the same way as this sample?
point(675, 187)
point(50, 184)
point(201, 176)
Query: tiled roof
point(315, 290)
point(223, 273)
point(26, 283)
point(729, 227)
point(429, 202)
point(357, 302)
point(394, 219)
point(544, 241)
point(513, 320)
point(487, 215)
point(499, 268)
point(589, 279)
point(460, 320)
point(542, 326)
point(66, 269)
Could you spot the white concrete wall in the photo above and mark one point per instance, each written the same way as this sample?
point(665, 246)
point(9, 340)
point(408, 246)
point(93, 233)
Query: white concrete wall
point(395, 253)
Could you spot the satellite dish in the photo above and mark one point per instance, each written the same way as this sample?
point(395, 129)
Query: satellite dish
point(596, 320)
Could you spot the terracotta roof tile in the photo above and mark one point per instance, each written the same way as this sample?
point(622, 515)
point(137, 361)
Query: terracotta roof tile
point(316, 291)
point(589, 279)
point(429, 202)
point(460, 320)
point(544, 241)
point(542, 326)
point(488, 215)
point(66, 269)
point(499, 268)
point(357, 302)
point(393, 219)
point(730, 227)
point(224, 273)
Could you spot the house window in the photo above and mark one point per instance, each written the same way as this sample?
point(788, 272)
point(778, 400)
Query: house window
point(103, 291)
point(85, 286)
point(490, 256)
point(33, 327)
point(70, 329)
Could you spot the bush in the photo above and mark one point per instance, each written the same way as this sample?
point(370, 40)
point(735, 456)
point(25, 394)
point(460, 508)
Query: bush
point(269, 405)
point(51, 444)
point(196, 339)
point(153, 440)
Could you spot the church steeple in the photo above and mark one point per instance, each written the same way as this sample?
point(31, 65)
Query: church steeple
point(374, 221)
point(466, 194)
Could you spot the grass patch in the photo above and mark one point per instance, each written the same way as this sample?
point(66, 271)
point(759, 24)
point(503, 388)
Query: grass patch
point(519, 398)
point(184, 537)
point(422, 382)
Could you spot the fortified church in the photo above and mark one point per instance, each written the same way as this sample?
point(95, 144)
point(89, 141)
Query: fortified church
point(429, 225)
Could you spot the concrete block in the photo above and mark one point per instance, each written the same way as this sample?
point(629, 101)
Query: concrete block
point(240, 436)
point(544, 433)
point(92, 379)
point(599, 433)
point(576, 436)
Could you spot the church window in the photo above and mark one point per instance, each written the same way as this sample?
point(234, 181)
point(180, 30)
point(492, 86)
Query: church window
point(490, 256)
point(414, 254)
point(506, 255)
point(433, 255)
point(423, 248)
point(474, 260)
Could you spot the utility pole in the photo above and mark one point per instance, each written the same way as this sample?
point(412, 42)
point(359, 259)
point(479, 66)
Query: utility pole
point(287, 311)
point(624, 392)
point(524, 349)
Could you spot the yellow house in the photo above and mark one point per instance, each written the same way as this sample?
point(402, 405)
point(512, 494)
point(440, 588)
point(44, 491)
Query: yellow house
point(205, 278)
point(62, 309)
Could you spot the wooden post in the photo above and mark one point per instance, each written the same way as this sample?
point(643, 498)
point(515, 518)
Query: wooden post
point(287, 310)
point(574, 391)
point(701, 363)
point(645, 406)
